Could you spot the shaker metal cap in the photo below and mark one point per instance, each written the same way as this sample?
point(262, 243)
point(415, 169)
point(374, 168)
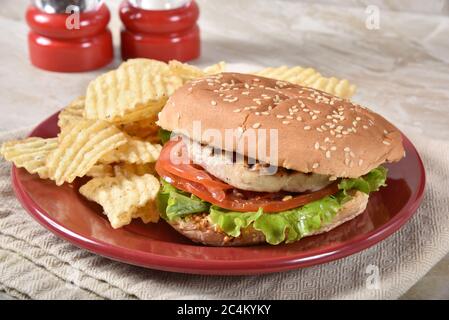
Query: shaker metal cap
point(63, 6)
point(158, 4)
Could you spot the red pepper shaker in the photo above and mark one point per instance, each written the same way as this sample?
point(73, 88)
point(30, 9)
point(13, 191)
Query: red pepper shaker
point(160, 29)
point(69, 35)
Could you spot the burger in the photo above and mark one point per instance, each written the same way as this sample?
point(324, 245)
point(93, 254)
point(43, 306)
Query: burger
point(254, 160)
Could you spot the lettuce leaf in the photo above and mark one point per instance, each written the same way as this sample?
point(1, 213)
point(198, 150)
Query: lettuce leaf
point(164, 135)
point(288, 226)
point(370, 182)
point(174, 203)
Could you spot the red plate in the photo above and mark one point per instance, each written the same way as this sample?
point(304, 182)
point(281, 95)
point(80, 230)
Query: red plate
point(67, 214)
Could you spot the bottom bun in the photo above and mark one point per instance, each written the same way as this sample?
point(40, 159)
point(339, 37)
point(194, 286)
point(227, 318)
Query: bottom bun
point(199, 229)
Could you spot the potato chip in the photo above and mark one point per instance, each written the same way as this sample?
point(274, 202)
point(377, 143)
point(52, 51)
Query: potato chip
point(30, 153)
point(122, 197)
point(148, 214)
point(132, 169)
point(134, 151)
point(100, 171)
point(188, 72)
point(215, 68)
point(120, 169)
point(310, 78)
point(81, 147)
point(145, 129)
point(72, 113)
point(136, 90)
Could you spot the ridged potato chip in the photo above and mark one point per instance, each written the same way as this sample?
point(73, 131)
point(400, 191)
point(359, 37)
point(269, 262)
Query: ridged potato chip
point(310, 78)
point(134, 151)
point(215, 68)
point(136, 90)
point(100, 171)
point(30, 153)
point(120, 169)
point(122, 198)
point(71, 114)
point(132, 169)
point(81, 147)
point(188, 72)
point(148, 214)
point(144, 129)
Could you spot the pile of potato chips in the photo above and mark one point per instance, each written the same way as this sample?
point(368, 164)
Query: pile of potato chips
point(110, 134)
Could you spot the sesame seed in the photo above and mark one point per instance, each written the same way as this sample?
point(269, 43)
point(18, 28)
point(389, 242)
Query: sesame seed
point(307, 128)
point(385, 132)
point(352, 154)
point(245, 93)
point(256, 125)
point(316, 111)
point(289, 117)
point(315, 165)
point(338, 136)
point(386, 143)
point(265, 113)
point(328, 154)
point(319, 130)
point(314, 117)
point(213, 102)
point(317, 145)
point(360, 162)
point(285, 122)
point(358, 118)
point(347, 149)
point(257, 113)
point(236, 110)
point(256, 80)
point(280, 116)
point(286, 198)
point(326, 139)
point(365, 127)
point(305, 110)
point(333, 148)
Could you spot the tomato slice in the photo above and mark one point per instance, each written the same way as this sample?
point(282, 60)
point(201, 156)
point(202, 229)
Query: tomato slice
point(189, 178)
point(174, 159)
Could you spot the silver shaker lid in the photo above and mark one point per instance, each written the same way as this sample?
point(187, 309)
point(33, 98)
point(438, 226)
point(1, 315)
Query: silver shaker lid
point(158, 4)
point(63, 6)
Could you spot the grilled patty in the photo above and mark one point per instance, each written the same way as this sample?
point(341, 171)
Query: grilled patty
point(251, 175)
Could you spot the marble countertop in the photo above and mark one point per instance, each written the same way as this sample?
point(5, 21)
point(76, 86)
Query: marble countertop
point(401, 69)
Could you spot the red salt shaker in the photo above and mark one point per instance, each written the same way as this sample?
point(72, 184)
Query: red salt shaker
point(69, 35)
point(161, 30)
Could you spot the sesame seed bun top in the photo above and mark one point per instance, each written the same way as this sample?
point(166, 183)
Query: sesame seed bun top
point(317, 132)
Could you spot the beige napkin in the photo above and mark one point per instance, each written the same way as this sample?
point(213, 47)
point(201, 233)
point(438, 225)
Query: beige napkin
point(36, 264)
